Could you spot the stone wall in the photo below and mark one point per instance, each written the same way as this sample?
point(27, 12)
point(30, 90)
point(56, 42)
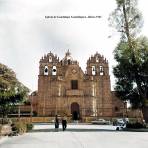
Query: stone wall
point(55, 94)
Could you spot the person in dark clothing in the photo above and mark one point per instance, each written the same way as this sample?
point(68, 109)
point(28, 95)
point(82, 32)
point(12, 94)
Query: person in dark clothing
point(56, 123)
point(64, 123)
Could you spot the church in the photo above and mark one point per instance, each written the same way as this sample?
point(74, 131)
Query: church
point(65, 89)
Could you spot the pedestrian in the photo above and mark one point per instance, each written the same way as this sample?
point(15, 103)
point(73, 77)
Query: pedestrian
point(56, 123)
point(64, 123)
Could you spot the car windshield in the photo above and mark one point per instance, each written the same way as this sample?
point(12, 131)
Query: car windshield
point(101, 119)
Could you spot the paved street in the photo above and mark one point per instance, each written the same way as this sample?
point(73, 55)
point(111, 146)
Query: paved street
point(77, 136)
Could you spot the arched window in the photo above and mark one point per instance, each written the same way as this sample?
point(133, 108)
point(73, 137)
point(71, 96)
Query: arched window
point(93, 70)
point(46, 70)
point(68, 61)
point(101, 71)
point(54, 71)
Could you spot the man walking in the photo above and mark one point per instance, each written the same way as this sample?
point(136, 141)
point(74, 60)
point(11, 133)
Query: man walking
point(64, 123)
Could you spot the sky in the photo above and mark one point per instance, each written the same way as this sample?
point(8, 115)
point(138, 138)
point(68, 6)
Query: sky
point(26, 34)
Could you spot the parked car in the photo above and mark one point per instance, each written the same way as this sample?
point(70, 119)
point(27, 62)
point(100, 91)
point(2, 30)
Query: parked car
point(119, 122)
point(100, 121)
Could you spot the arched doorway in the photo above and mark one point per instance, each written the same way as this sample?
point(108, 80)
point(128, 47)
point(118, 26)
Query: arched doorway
point(75, 111)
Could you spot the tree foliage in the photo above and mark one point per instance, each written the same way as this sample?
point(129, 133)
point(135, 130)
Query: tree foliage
point(11, 90)
point(126, 18)
point(131, 54)
point(132, 78)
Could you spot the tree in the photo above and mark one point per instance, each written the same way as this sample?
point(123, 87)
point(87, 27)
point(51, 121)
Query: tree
point(127, 80)
point(131, 54)
point(127, 20)
point(12, 91)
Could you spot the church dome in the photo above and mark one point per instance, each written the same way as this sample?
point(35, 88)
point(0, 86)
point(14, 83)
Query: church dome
point(68, 58)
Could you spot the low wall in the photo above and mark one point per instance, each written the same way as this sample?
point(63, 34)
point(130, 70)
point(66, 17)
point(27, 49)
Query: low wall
point(32, 119)
point(51, 119)
point(42, 119)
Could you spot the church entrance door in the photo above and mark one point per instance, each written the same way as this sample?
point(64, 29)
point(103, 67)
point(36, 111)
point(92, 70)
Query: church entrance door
point(75, 111)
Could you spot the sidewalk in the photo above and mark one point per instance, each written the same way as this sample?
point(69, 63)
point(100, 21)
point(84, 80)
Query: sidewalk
point(82, 136)
point(3, 139)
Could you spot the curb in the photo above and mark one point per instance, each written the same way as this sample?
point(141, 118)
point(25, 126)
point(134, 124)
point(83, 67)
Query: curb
point(135, 130)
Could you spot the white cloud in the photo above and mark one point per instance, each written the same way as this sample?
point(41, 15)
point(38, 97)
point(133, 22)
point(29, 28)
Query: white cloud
point(25, 34)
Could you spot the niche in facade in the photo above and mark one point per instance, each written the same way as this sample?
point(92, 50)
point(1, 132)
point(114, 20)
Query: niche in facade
point(46, 70)
point(97, 59)
point(50, 59)
point(54, 70)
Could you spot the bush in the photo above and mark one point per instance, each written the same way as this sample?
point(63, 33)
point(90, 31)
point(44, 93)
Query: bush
point(4, 120)
point(21, 127)
point(29, 126)
point(136, 125)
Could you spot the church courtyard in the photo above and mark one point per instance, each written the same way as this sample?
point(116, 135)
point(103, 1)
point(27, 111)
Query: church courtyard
point(77, 136)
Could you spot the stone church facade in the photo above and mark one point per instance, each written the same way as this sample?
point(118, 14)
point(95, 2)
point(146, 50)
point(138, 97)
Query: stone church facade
point(64, 89)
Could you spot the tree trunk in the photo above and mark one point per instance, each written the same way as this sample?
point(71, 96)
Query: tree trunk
point(145, 113)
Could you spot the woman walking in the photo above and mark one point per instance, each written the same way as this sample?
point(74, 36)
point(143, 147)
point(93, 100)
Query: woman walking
point(56, 123)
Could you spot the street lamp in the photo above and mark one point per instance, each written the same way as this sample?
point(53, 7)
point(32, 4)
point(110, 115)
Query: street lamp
point(125, 109)
point(31, 106)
